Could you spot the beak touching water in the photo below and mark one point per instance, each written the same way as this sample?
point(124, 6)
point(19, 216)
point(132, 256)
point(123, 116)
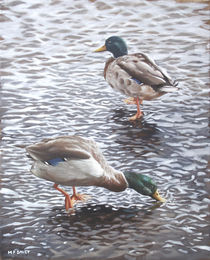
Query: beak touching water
point(157, 196)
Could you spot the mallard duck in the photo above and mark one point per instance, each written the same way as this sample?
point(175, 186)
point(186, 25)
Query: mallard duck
point(135, 75)
point(77, 161)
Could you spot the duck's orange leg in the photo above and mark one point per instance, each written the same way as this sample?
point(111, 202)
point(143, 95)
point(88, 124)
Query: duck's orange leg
point(139, 112)
point(69, 203)
point(77, 196)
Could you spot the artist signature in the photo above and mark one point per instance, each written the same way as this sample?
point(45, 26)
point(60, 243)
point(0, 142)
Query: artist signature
point(18, 252)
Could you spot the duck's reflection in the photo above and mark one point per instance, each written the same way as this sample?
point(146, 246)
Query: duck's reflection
point(140, 131)
point(94, 214)
point(101, 226)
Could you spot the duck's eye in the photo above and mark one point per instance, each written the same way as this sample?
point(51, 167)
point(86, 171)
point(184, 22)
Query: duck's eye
point(109, 42)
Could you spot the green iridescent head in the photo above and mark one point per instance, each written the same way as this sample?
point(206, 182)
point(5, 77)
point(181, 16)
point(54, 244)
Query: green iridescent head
point(115, 45)
point(143, 184)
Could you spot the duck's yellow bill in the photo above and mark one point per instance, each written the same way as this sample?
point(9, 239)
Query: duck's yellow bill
point(103, 48)
point(157, 196)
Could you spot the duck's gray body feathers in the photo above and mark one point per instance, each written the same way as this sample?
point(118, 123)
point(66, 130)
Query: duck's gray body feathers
point(137, 75)
point(83, 163)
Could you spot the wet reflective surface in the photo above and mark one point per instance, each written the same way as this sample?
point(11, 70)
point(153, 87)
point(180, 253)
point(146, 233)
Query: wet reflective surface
point(52, 85)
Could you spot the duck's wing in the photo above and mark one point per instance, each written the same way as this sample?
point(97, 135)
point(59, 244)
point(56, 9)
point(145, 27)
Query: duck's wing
point(59, 148)
point(144, 70)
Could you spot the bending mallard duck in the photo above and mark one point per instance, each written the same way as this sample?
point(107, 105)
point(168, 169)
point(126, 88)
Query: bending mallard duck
point(76, 161)
point(135, 75)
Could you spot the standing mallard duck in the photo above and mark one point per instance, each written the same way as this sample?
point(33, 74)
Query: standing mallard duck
point(76, 161)
point(134, 75)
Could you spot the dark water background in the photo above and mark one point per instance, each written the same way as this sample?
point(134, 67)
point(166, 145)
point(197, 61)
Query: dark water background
point(52, 85)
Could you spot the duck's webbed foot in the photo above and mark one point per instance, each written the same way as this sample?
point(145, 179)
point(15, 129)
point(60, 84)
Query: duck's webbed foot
point(79, 197)
point(136, 116)
point(139, 113)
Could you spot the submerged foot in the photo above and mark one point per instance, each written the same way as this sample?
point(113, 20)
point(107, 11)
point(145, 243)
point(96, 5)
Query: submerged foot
point(135, 101)
point(136, 116)
point(69, 203)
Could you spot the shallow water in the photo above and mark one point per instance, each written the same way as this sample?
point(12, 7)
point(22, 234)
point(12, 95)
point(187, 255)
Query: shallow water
point(52, 85)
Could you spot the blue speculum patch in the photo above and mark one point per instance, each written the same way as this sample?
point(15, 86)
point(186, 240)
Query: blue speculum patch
point(55, 161)
point(137, 81)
